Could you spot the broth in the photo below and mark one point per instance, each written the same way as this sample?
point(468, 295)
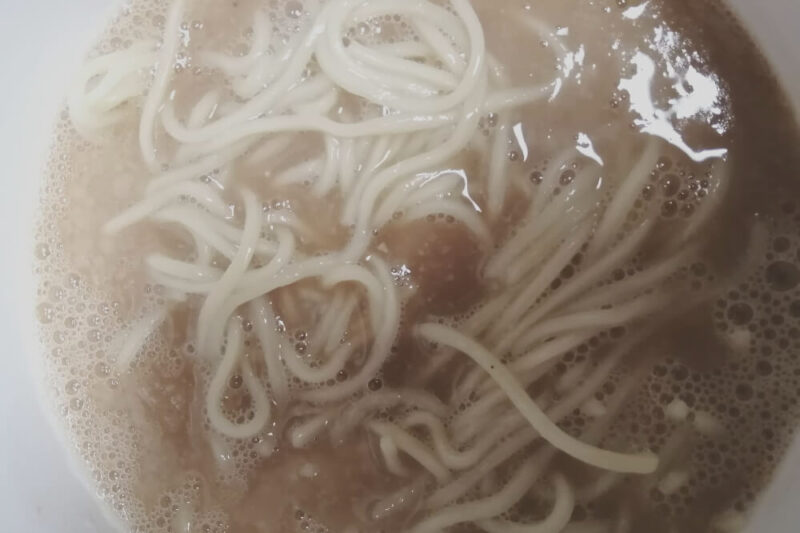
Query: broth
point(713, 391)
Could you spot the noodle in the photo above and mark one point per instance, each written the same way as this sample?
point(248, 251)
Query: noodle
point(261, 405)
point(556, 521)
point(544, 426)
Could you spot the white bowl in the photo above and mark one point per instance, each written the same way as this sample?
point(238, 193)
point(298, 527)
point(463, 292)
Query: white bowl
point(41, 42)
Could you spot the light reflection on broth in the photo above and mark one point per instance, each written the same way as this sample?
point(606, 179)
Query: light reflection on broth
point(465, 267)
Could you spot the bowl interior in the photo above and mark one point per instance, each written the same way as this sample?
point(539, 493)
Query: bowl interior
point(42, 45)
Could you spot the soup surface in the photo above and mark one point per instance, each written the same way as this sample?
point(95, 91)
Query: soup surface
point(360, 266)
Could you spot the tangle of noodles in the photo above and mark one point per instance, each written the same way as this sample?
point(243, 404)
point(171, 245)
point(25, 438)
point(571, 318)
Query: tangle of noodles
point(255, 277)
point(528, 408)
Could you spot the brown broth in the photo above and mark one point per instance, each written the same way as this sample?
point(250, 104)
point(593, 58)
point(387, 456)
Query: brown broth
point(141, 433)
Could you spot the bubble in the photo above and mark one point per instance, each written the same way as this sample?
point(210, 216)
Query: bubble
point(744, 392)
point(294, 9)
point(764, 368)
point(56, 293)
point(42, 251)
point(45, 313)
point(669, 208)
point(102, 370)
point(72, 387)
point(670, 185)
point(782, 276)
point(781, 244)
point(740, 313)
